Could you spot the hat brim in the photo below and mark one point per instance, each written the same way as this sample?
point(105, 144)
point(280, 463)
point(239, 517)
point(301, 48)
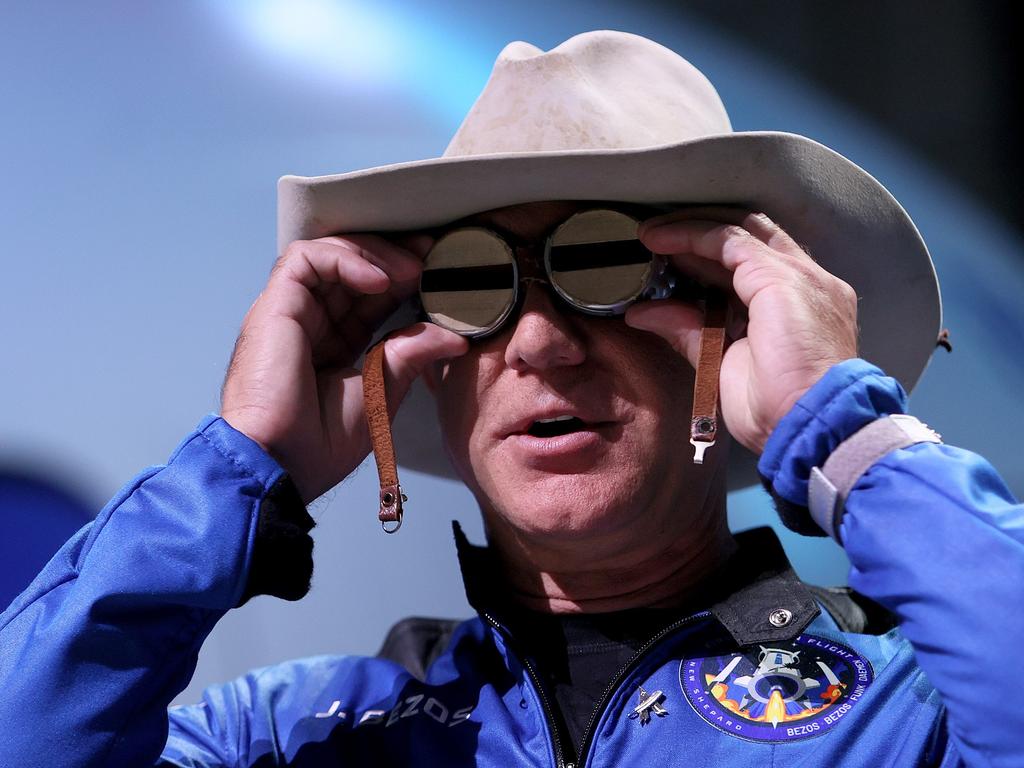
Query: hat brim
point(839, 213)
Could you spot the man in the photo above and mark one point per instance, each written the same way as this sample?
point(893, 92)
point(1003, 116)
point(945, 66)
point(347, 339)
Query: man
point(620, 622)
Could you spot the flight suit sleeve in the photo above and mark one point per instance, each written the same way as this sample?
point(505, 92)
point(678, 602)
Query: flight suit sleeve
point(934, 535)
point(109, 632)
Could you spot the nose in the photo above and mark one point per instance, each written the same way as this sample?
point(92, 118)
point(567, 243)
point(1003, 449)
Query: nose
point(543, 336)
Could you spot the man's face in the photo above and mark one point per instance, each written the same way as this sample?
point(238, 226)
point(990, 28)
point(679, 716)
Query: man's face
point(625, 464)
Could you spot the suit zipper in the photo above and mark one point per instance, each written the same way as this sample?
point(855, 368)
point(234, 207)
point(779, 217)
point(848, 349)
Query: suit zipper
point(614, 683)
point(546, 706)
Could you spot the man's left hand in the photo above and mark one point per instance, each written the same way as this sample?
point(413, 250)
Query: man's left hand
point(800, 320)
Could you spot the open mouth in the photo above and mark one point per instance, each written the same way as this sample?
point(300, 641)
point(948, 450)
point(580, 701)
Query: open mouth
point(561, 425)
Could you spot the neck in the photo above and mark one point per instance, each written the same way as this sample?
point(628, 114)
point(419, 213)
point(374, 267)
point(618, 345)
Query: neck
point(602, 574)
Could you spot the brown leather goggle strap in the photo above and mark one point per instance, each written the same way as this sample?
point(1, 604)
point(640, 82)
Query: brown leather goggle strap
point(704, 419)
point(375, 402)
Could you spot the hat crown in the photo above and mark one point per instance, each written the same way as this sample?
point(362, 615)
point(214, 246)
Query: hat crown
point(597, 90)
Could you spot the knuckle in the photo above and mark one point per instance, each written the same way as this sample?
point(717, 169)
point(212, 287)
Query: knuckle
point(293, 252)
point(802, 248)
point(762, 220)
point(846, 291)
point(354, 246)
point(735, 232)
point(359, 246)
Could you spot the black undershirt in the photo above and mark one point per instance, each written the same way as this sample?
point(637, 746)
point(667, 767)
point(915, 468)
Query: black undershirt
point(578, 655)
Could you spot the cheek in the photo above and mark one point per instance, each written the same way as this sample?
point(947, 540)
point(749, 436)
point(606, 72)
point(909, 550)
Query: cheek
point(656, 377)
point(660, 391)
point(461, 394)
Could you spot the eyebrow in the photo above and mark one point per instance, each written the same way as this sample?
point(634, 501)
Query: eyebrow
point(483, 219)
point(504, 221)
point(499, 220)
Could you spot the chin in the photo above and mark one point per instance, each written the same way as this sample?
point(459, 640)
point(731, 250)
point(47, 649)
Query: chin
point(567, 505)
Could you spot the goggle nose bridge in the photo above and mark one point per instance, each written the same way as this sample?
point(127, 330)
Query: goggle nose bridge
point(530, 265)
point(530, 270)
point(529, 259)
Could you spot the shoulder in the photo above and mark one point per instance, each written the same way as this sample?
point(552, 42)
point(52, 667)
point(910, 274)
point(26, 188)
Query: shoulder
point(416, 642)
point(853, 612)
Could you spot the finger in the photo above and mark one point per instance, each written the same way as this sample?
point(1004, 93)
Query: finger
point(772, 235)
point(408, 351)
point(721, 213)
point(343, 344)
point(736, 318)
point(727, 244)
point(374, 310)
point(417, 243)
point(753, 264)
point(336, 300)
point(398, 262)
point(322, 284)
point(314, 263)
point(758, 224)
point(678, 323)
point(354, 332)
point(704, 271)
point(342, 307)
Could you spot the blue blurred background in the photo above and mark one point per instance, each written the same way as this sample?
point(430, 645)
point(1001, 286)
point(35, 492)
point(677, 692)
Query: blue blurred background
point(139, 149)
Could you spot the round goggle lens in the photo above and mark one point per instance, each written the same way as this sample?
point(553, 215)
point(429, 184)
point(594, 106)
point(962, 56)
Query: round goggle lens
point(469, 281)
point(596, 261)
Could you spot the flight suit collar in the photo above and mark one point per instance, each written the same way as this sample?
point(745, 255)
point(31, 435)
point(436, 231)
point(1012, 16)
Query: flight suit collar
point(756, 597)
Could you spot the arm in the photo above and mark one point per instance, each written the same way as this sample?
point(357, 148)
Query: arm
point(108, 634)
point(932, 534)
point(931, 531)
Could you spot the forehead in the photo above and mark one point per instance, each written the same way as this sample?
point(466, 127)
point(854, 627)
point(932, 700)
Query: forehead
point(528, 220)
point(533, 221)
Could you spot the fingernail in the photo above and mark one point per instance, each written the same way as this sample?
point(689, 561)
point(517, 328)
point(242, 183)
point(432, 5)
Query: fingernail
point(380, 271)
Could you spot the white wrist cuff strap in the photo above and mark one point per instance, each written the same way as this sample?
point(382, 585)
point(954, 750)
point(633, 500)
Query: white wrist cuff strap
point(830, 485)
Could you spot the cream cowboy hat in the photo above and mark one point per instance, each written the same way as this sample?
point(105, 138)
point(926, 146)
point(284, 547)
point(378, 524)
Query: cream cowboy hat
point(613, 116)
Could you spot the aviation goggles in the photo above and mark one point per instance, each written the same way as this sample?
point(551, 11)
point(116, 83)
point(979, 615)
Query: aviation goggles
point(594, 262)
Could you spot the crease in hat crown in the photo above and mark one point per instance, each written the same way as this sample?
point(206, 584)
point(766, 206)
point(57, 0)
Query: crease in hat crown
point(598, 90)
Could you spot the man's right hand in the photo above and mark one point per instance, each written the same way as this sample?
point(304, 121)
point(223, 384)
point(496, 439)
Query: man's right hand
point(291, 386)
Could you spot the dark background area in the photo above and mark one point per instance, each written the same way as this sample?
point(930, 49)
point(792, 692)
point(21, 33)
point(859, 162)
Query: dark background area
point(942, 75)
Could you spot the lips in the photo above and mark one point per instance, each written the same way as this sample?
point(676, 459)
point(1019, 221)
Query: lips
point(559, 437)
point(560, 425)
point(553, 422)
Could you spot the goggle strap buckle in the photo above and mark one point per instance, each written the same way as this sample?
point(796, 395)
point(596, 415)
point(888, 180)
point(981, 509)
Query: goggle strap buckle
point(704, 418)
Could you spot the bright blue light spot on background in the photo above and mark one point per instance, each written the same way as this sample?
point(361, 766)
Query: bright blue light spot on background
point(338, 40)
point(386, 48)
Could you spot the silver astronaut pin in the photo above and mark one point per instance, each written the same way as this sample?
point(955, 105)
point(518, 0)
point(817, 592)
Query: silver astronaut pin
point(649, 702)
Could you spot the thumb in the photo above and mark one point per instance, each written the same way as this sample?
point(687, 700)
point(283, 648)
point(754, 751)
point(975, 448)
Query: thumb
point(676, 322)
point(408, 351)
